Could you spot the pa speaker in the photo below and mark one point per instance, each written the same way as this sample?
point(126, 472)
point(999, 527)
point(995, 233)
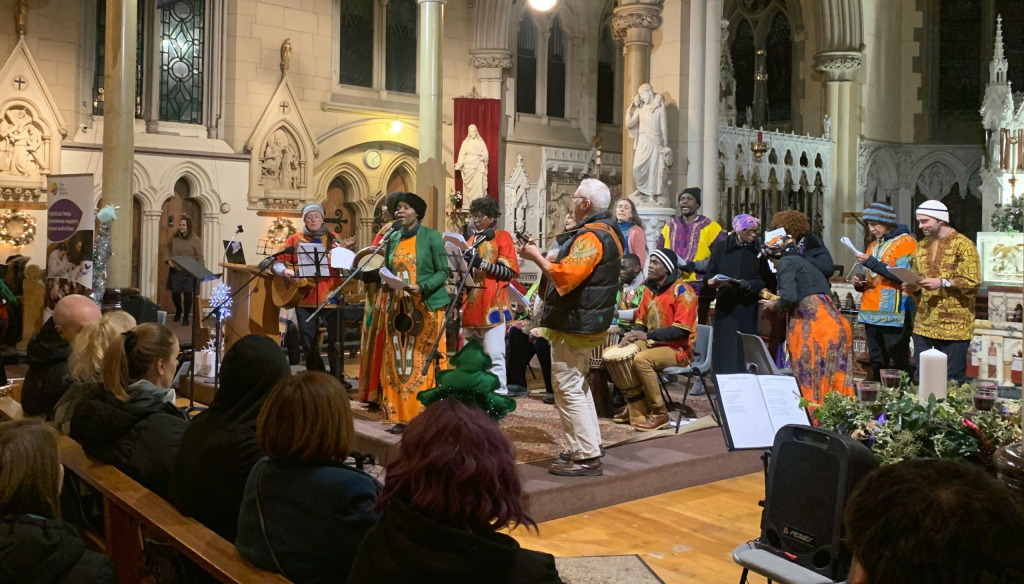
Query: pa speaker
point(811, 474)
point(142, 308)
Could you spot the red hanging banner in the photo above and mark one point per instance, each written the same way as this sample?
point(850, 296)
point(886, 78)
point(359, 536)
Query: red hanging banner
point(485, 114)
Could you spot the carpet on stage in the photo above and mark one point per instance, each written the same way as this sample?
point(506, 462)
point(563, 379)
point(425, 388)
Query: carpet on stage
point(606, 570)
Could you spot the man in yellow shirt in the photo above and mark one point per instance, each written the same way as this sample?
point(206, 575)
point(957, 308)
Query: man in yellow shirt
point(690, 235)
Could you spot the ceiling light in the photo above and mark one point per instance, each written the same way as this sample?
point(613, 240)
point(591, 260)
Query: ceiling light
point(396, 127)
point(542, 5)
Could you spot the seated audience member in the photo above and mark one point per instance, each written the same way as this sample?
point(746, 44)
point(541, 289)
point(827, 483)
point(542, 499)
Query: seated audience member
point(35, 545)
point(451, 488)
point(934, 522)
point(631, 281)
point(523, 342)
point(130, 421)
point(304, 511)
point(666, 332)
point(85, 366)
point(47, 354)
point(219, 448)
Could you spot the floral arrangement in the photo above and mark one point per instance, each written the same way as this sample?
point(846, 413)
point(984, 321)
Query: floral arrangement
point(898, 427)
point(1009, 218)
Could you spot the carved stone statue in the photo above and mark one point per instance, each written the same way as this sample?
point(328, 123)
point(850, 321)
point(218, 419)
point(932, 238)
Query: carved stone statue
point(22, 145)
point(473, 160)
point(21, 17)
point(279, 163)
point(286, 56)
point(647, 125)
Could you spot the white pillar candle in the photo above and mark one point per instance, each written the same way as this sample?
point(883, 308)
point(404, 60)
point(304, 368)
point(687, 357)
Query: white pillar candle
point(932, 375)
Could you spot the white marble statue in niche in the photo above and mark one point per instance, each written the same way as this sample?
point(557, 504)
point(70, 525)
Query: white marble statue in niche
point(23, 151)
point(279, 164)
point(472, 163)
point(648, 126)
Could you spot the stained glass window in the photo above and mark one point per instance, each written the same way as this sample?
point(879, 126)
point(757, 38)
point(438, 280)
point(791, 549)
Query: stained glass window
point(556, 71)
point(182, 27)
point(400, 37)
point(357, 43)
point(606, 51)
point(779, 53)
point(960, 60)
point(526, 66)
point(743, 66)
point(101, 36)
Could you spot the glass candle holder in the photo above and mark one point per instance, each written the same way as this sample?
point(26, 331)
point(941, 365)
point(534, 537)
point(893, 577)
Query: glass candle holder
point(985, 393)
point(867, 391)
point(891, 378)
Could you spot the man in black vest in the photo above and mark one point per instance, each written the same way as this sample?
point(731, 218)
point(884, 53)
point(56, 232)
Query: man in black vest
point(579, 303)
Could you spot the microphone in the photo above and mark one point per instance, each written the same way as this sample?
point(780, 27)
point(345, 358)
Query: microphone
point(482, 236)
point(239, 230)
point(288, 250)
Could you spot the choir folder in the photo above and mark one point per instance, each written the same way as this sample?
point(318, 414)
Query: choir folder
point(754, 407)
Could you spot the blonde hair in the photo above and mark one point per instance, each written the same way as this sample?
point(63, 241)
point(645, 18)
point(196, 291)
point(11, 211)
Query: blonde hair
point(306, 419)
point(29, 469)
point(129, 356)
point(86, 361)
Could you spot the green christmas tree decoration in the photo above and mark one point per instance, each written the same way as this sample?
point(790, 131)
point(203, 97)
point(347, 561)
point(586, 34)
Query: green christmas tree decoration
point(471, 382)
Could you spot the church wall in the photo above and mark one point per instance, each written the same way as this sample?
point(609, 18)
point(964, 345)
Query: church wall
point(889, 87)
point(670, 76)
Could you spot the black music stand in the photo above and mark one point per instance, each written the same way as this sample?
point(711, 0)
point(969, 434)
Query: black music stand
point(199, 274)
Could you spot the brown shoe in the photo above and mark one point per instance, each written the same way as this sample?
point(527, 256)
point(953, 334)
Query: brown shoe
point(621, 417)
point(588, 467)
point(653, 422)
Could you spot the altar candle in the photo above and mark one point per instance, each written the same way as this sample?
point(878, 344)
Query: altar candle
point(760, 135)
point(932, 375)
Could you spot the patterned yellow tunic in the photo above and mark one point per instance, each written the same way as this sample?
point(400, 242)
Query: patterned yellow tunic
point(946, 313)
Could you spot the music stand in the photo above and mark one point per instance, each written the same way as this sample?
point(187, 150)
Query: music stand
point(199, 274)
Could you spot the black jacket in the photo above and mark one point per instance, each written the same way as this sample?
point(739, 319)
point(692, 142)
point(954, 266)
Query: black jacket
point(589, 307)
point(219, 448)
point(799, 279)
point(741, 262)
point(140, 437)
point(46, 379)
point(814, 251)
point(408, 547)
point(34, 550)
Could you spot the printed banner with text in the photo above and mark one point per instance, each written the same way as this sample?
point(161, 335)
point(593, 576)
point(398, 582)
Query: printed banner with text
point(70, 226)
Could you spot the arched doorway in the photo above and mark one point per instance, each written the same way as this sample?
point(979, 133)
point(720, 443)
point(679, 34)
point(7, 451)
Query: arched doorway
point(338, 209)
point(181, 203)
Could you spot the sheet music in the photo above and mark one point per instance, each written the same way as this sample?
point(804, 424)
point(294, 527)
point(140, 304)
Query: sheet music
point(782, 397)
point(312, 261)
point(517, 297)
point(390, 280)
point(846, 241)
point(756, 406)
point(905, 275)
point(456, 261)
point(769, 235)
point(724, 278)
point(342, 258)
point(456, 240)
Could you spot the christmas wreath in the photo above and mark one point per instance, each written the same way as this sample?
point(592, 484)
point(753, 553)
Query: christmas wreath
point(280, 230)
point(17, 237)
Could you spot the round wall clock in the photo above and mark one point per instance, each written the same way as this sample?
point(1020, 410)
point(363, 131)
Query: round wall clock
point(372, 159)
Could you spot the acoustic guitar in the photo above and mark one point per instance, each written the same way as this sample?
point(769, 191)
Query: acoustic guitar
point(288, 293)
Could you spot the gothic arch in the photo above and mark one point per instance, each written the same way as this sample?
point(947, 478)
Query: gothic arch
point(947, 160)
point(403, 163)
point(349, 172)
point(199, 182)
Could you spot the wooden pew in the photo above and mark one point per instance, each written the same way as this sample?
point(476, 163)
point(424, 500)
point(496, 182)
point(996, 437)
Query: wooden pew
point(127, 506)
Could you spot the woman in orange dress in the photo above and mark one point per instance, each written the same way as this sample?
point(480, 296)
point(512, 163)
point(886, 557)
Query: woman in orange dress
point(819, 338)
point(414, 315)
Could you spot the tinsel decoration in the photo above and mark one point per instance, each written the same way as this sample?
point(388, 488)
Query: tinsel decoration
point(221, 296)
point(280, 230)
point(22, 237)
point(102, 252)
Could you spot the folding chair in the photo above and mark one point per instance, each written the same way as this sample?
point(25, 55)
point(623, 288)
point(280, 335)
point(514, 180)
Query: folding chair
point(701, 366)
point(759, 361)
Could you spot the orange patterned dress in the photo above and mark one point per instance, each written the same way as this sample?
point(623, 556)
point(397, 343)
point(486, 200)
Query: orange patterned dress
point(820, 343)
point(410, 329)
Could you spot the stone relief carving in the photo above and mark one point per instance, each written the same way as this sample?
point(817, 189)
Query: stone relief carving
point(837, 66)
point(23, 149)
point(936, 180)
point(280, 163)
point(644, 14)
point(502, 60)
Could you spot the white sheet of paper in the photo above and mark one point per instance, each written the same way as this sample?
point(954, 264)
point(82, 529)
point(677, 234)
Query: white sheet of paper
point(456, 240)
point(782, 396)
point(905, 275)
point(390, 280)
point(722, 278)
point(342, 257)
point(310, 254)
point(517, 297)
point(749, 423)
point(846, 241)
point(768, 235)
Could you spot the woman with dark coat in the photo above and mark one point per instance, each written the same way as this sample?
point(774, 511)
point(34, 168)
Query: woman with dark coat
point(130, 421)
point(35, 545)
point(449, 491)
point(219, 448)
point(739, 258)
point(304, 511)
point(808, 245)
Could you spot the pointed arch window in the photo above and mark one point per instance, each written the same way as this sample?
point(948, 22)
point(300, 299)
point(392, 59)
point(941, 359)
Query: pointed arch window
point(400, 36)
point(779, 63)
point(181, 61)
point(526, 66)
point(376, 43)
point(742, 50)
point(607, 52)
point(556, 71)
point(356, 42)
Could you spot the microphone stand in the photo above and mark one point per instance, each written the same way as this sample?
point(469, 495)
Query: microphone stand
point(224, 258)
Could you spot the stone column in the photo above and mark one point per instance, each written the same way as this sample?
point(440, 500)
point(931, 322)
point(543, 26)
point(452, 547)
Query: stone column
point(632, 25)
point(838, 67)
point(712, 75)
point(149, 252)
point(491, 65)
point(430, 179)
point(695, 145)
point(118, 136)
point(365, 234)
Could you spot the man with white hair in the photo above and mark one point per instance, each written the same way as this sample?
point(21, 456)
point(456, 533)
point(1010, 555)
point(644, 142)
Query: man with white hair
point(579, 304)
point(948, 264)
point(48, 351)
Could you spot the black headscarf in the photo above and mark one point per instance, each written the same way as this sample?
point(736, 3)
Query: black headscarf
point(219, 447)
point(414, 201)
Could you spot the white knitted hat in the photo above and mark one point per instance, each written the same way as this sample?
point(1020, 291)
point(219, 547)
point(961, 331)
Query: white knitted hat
point(934, 209)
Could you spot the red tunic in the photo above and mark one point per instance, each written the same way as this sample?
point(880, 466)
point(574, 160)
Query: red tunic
point(314, 295)
point(676, 306)
point(488, 305)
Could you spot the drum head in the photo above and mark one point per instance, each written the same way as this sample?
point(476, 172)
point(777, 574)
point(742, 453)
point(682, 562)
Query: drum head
point(620, 353)
point(374, 263)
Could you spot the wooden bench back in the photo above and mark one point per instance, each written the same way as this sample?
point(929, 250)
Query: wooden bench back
point(127, 506)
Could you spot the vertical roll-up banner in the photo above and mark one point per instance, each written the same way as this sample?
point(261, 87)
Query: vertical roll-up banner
point(70, 229)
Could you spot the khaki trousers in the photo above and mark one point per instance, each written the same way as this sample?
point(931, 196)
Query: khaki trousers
point(647, 364)
point(575, 405)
